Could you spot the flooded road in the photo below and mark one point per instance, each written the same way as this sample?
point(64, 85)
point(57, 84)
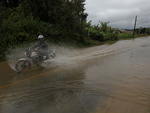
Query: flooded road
point(103, 79)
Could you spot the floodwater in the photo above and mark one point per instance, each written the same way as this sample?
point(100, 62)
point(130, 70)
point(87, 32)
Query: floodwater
point(103, 79)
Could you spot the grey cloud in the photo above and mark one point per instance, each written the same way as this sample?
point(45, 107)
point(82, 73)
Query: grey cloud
point(120, 13)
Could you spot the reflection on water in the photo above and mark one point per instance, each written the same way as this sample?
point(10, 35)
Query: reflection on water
point(58, 92)
point(102, 83)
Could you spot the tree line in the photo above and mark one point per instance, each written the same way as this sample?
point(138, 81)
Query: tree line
point(22, 20)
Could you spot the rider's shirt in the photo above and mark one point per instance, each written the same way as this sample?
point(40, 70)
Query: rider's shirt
point(42, 48)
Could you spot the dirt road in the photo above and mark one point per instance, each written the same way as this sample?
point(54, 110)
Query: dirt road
point(103, 79)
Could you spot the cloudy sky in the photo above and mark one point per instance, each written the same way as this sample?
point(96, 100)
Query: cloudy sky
point(120, 13)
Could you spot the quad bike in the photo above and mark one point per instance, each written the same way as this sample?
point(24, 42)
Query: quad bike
point(33, 57)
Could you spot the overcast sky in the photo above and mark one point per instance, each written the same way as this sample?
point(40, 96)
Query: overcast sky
point(120, 13)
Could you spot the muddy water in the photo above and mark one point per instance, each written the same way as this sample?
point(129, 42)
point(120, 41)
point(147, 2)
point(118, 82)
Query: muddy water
point(102, 79)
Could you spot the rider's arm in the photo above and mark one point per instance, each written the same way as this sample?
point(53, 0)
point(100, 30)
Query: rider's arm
point(36, 45)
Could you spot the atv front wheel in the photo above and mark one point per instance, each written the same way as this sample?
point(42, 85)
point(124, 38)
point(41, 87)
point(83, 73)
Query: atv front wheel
point(22, 65)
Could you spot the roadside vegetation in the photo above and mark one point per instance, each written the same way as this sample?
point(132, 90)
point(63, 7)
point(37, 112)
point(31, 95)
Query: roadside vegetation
point(61, 21)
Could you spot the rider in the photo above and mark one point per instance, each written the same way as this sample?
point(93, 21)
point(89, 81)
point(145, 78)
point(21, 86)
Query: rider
point(42, 47)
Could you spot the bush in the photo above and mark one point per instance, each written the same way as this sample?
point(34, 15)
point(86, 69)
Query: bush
point(97, 36)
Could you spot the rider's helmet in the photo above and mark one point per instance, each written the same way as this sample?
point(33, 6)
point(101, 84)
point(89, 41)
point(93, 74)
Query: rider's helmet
point(40, 37)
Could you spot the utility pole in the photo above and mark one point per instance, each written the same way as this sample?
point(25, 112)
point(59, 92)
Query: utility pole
point(135, 26)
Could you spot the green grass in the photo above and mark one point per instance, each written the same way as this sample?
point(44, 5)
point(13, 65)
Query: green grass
point(125, 36)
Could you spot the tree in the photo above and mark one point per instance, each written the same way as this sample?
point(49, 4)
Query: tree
point(10, 3)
